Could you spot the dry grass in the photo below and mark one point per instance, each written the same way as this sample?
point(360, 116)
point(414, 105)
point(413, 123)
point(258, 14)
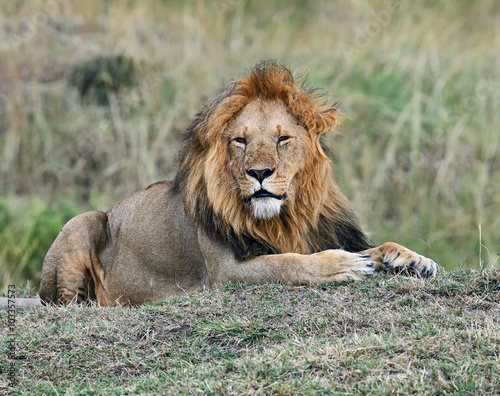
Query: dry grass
point(418, 155)
point(389, 335)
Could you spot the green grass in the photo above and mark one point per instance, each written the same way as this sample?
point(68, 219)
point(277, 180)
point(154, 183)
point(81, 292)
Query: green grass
point(27, 229)
point(388, 335)
point(417, 157)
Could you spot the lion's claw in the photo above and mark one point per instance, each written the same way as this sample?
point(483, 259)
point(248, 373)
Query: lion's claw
point(411, 263)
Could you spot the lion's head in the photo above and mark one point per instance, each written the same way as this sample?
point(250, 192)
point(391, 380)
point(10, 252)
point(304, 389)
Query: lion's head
point(253, 171)
point(267, 152)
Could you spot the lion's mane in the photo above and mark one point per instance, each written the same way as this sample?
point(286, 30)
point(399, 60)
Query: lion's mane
point(318, 216)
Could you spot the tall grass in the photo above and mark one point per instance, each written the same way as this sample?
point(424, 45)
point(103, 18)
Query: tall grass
point(419, 84)
point(27, 227)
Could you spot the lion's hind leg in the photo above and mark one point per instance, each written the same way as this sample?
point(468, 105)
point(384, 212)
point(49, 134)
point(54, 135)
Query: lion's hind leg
point(72, 271)
point(397, 259)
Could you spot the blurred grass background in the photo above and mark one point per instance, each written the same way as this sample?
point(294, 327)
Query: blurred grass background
point(94, 94)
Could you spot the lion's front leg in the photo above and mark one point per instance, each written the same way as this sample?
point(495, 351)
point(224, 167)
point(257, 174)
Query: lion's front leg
point(291, 268)
point(396, 258)
point(336, 265)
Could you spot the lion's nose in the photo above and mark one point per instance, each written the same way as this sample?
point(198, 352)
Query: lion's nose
point(260, 174)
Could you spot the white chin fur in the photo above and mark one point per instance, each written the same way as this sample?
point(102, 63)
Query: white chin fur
point(265, 208)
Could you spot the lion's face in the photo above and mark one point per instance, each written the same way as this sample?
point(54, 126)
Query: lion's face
point(253, 172)
point(266, 148)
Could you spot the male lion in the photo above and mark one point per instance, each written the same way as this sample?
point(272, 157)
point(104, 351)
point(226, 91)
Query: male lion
point(253, 201)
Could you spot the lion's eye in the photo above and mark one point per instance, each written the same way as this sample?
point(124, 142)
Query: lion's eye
point(283, 139)
point(240, 140)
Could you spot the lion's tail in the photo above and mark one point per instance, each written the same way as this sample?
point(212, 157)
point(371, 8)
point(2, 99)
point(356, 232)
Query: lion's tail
point(72, 271)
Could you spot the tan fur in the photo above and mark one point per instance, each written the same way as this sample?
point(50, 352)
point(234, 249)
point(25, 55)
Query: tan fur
point(254, 200)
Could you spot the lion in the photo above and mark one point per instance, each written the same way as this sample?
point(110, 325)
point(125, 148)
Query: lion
point(253, 201)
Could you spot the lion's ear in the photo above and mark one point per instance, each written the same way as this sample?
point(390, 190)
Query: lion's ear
point(325, 119)
point(314, 111)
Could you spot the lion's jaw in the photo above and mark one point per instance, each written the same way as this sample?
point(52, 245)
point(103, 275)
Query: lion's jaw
point(265, 208)
point(266, 146)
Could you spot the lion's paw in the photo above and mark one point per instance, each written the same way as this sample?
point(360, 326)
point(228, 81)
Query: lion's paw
point(410, 263)
point(339, 265)
point(357, 266)
point(365, 265)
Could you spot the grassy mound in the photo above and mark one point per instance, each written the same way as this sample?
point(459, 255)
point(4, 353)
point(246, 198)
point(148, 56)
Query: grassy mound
point(388, 335)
